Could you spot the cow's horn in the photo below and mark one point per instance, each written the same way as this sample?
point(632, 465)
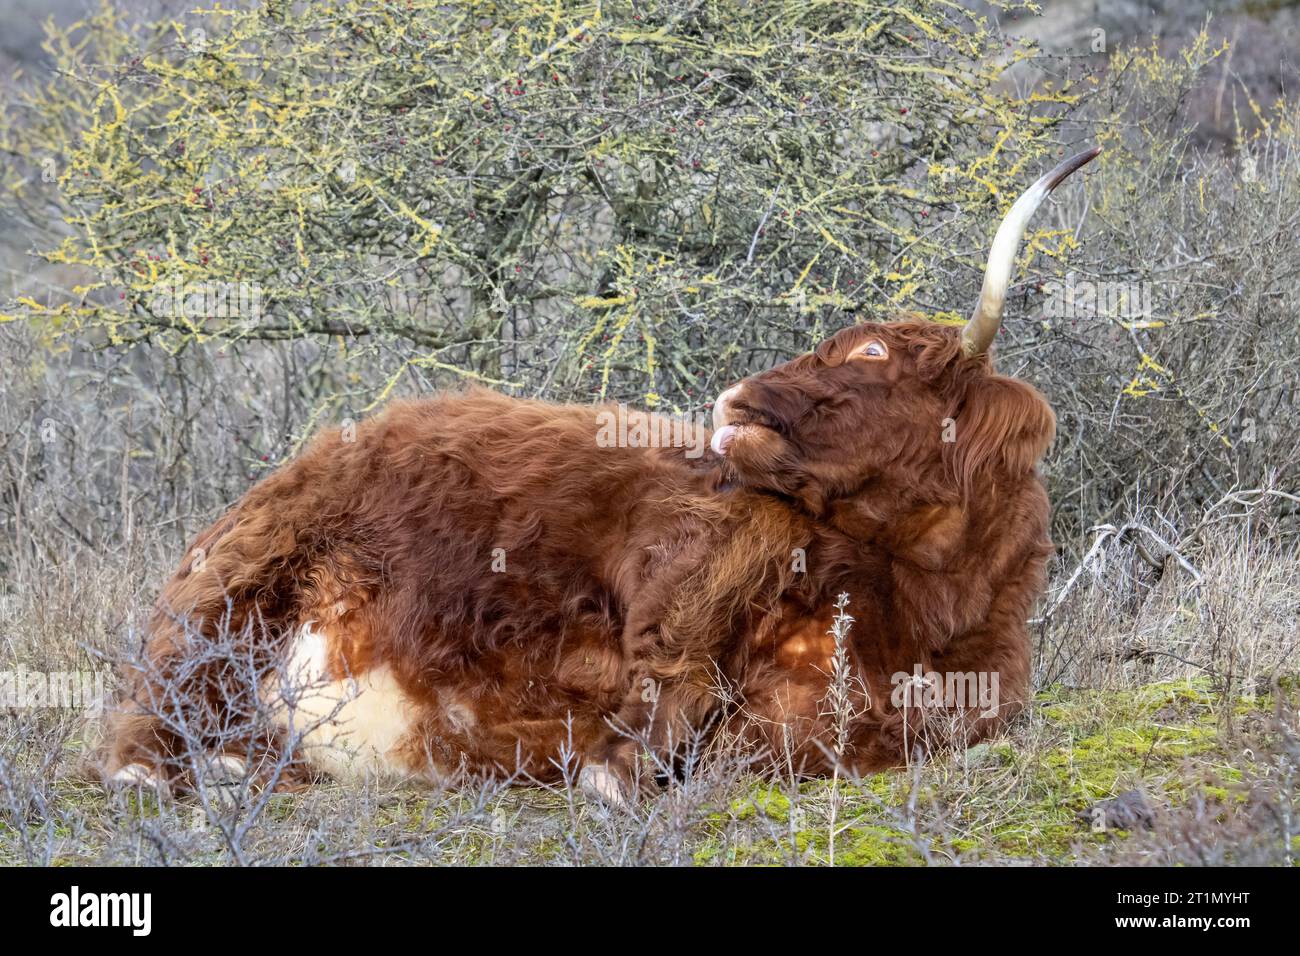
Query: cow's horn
point(978, 334)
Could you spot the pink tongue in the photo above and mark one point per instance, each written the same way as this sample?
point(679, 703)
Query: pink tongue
point(722, 438)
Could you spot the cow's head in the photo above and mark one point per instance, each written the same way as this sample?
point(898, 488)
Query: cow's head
point(907, 408)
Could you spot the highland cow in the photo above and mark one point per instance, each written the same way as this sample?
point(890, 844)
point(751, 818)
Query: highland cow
point(473, 583)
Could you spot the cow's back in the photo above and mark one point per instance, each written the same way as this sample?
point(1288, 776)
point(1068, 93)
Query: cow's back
point(440, 576)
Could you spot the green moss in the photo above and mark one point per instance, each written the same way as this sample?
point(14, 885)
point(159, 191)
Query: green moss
point(860, 846)
point(781, 830)
point(765, 800)
point(1101, 764)
point(1103, 743)
point(1011, 797)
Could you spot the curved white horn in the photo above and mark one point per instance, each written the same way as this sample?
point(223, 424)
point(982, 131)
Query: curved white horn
point(978, 334)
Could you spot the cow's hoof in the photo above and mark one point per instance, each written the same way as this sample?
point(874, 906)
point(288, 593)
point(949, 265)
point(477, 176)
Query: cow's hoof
point(598, 782)
point(227, 769)
point(136, 776)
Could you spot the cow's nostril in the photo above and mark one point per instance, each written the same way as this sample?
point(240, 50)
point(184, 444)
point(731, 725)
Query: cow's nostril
point(720, 409)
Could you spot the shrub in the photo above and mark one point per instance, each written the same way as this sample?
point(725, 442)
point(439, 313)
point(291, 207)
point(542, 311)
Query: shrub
point(257, 221)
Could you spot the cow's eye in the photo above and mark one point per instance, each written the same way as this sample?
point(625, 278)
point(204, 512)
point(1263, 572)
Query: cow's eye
point(874, 349)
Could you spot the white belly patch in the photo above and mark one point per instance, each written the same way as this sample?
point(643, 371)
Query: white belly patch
point(349, 728)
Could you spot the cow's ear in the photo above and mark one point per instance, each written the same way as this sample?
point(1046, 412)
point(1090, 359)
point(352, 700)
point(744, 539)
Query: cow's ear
point(1003, 428)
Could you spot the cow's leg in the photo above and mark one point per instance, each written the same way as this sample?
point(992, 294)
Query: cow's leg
point(145, 749)
point(667, 701)
point(683, 631)
point(137, 751)
point(140, 750)
point(192, 711)
point(672, 648)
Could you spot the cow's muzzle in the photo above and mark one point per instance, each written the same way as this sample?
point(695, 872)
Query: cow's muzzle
point(723, 428)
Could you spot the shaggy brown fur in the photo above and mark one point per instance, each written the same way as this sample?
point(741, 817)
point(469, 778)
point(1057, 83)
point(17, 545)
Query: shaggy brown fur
point(635, 580)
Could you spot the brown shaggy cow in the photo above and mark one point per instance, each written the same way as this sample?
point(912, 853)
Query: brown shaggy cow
point(469, 583)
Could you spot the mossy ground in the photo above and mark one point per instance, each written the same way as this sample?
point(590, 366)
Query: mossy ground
point(1025, 796)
